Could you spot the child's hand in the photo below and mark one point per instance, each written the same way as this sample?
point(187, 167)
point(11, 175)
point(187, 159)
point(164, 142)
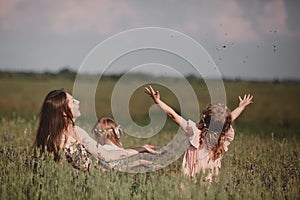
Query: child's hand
point(245, 101)
point(153, 94)
point(149, 148)
point(242, 105)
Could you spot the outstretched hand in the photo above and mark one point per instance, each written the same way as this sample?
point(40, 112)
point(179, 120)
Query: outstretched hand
point(245, 101)
point(149, 148)
point(153, 94)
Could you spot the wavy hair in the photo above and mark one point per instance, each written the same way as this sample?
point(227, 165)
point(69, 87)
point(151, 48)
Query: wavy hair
point(214, 123)
point(54, 118)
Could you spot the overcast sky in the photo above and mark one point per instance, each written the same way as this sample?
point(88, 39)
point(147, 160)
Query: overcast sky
point(253, 39)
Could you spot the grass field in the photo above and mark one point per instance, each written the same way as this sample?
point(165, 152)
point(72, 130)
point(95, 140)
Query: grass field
point(262, 162)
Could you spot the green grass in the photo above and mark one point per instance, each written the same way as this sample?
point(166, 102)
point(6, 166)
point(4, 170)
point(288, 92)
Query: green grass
point(262, 161)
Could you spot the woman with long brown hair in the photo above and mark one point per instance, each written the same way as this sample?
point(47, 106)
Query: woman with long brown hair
point(57, 132)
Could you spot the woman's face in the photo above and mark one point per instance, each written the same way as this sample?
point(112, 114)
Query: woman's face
point(74, 106)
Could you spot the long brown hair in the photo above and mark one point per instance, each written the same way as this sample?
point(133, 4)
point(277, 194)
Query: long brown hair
point(215, 118)
point(55, 117)
point(108, 127)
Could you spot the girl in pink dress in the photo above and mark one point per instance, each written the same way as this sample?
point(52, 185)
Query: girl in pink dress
point(208, 139)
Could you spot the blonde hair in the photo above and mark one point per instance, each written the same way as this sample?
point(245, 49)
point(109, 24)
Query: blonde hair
point(108, 128)
point(214, 124)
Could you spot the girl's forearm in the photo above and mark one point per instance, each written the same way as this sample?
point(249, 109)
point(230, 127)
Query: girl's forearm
point(236, 112)
point(246, 100)
point(170, 112)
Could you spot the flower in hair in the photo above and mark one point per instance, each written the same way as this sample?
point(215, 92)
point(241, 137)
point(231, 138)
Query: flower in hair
point(100, 131)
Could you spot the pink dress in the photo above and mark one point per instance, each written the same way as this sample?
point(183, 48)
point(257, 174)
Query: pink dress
point(198, 159)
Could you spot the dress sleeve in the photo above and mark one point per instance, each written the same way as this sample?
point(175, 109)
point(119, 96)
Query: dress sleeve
point(90, 143)
point(229, 136)
point(193, 132)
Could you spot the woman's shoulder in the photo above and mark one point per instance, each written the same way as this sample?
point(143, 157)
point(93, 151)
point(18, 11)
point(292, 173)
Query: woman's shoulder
point(82, 133)
point(79, 129)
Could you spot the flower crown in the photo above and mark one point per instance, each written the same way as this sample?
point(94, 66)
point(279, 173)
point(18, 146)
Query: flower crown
point(100, 131)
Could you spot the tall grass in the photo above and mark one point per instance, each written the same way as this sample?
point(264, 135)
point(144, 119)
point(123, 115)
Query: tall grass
point(262, 162)
point(256, 167)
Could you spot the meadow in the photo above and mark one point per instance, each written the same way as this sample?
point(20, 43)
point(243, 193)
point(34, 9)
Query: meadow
point(262, 162)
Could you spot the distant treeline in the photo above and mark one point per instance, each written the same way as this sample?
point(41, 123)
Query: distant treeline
point(62, 74)
point(66, 73)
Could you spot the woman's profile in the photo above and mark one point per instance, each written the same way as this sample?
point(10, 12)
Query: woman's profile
point(58, 132)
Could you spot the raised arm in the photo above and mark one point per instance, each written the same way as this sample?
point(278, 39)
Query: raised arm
point(167, 109)
point(242, 105)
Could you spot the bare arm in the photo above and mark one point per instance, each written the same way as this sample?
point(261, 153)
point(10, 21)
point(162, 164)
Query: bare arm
point(242, 105)
point(99, 151)
point(167, 109)
point(146, 148)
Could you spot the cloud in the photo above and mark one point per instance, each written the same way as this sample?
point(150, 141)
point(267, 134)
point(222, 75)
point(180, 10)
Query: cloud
point(64, 17)
point(227, 21)
point(274, 17)
point(9, 16)
point(234, 29)
point(234, 20)
point(97, 16)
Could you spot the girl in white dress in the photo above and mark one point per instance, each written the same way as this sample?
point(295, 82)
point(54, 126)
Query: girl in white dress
point(108, 134)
